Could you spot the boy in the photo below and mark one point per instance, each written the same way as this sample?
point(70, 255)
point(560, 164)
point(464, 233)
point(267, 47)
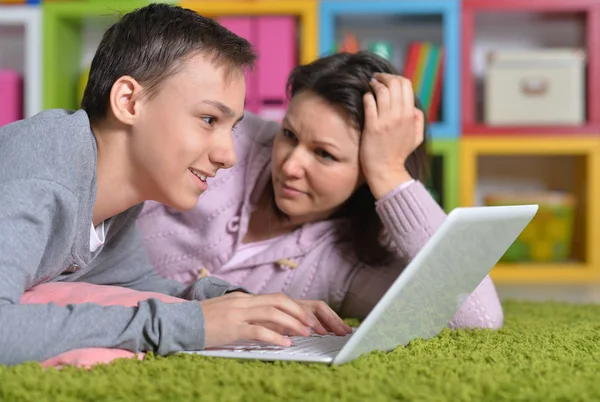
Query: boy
point(166, 88)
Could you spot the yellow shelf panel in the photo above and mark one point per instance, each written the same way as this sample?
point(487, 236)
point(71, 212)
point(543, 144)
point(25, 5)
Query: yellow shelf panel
point(531, 145)
point(545, 273)
point(306, 10)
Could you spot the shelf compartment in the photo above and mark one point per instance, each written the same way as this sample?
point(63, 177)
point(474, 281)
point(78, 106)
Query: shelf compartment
point(21, 50)
point(266, 86)
point(305, 10)
point(68, 30)
point(533, 163)
point(435, 21)
point(545, 24)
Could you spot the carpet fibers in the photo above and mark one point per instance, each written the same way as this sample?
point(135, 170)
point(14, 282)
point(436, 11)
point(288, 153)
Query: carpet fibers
point(545, 352)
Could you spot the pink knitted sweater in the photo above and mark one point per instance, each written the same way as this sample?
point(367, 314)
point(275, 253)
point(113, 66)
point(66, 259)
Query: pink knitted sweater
point(309, 263)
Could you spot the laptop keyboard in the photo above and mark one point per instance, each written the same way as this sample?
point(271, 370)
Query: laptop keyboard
point(315, 345)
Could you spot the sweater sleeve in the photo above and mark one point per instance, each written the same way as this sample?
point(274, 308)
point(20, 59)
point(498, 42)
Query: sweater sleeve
point(410, 216)
point(36, 226)
point(124, 262)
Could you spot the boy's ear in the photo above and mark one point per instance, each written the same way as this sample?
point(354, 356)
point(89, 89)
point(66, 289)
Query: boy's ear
point(124, 96)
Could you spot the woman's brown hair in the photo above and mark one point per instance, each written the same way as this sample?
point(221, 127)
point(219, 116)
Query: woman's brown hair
point(342, 79)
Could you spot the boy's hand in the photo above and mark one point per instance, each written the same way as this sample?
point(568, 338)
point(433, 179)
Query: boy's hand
point(328, 320)
point(237, 316)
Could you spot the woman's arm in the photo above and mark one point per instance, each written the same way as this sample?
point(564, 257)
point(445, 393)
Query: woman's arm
point(411, 216)
point(394, 129)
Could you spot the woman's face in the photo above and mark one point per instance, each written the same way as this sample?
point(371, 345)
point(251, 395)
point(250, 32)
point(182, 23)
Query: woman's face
point(315, 160)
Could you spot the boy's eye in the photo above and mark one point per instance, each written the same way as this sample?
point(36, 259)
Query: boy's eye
point(209, 119)
point(288, 134)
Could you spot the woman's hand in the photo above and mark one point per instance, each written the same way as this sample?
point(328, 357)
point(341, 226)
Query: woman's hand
point(393, 130)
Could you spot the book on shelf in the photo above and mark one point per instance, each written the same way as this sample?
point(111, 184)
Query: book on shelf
point(424, 67)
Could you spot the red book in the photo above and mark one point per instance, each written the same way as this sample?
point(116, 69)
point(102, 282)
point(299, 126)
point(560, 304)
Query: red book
point(412, 59)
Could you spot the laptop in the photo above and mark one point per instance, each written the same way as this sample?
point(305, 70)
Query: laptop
point(421, 301)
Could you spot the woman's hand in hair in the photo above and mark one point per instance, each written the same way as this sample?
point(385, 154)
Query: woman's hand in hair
point(393, 130)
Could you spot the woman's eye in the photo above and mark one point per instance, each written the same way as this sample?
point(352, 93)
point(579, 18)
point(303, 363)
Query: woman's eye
point(324, 154)
point(209, 119)
point(288, 134)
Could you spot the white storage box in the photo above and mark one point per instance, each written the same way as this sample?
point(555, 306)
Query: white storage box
point(535, 87)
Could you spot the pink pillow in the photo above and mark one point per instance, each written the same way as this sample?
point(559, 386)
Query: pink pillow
point(63, 293)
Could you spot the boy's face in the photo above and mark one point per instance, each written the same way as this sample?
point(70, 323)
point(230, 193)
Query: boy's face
point(185, 131)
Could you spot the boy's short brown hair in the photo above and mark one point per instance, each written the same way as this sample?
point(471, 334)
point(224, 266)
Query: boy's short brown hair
point(149, 45)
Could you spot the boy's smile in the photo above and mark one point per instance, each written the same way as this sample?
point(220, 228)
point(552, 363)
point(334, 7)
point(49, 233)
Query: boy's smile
point(199, 179)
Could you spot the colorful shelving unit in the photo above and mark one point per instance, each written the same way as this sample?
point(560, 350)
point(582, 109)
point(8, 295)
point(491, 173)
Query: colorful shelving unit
point(470, 157)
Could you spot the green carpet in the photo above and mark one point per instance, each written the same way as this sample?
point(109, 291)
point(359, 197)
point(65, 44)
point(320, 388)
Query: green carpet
point(545, 352)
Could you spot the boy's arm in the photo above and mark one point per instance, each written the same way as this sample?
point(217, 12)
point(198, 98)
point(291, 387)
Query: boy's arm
point(124, 262)
point(35, 216)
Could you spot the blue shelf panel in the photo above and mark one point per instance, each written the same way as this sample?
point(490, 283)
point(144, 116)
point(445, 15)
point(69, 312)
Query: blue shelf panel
point(444, 130)
point(450, 12)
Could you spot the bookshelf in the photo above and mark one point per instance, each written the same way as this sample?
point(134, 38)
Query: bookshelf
point(52, 43)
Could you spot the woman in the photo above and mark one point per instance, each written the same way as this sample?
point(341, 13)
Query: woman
point(328, 205)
